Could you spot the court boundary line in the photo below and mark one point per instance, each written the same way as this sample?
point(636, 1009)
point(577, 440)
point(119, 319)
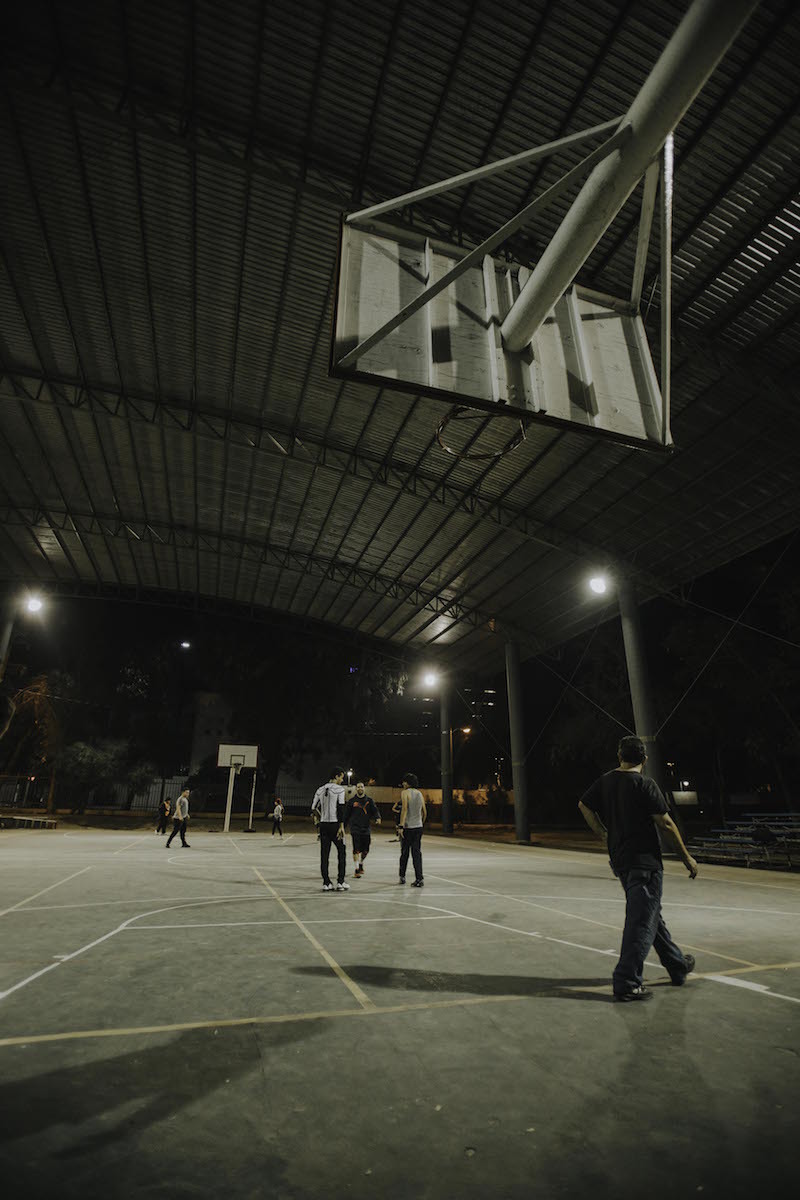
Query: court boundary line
point(360, 995)
point(589, 920)
point(20, 903)
point(278, 1019)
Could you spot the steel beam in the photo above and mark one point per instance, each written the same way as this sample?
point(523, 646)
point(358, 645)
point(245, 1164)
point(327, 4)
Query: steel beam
point(645, 226)
point(689, 58)
point(62, 521)
point(305, 448)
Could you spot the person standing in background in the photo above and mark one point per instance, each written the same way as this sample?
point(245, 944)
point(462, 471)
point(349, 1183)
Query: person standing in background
point(277, 818)
point(180, 818)
point(413, 815)
point(163, 812)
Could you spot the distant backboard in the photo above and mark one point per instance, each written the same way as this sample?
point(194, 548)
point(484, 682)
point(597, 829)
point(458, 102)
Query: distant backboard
point(588, 365)
point(237, 756)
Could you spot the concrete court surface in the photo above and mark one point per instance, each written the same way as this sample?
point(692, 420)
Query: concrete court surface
point(208, 1023)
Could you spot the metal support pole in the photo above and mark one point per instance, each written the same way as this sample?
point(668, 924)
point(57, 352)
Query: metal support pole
point(447, 760)
point(666, 282)
point(516, 726)
point(229, 804)
point(5, 645)
point(252, 801)
point(688, 59)
point(641, 698)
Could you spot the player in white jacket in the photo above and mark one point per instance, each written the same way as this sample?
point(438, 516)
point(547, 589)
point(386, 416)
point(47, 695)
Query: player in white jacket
point(329, 802)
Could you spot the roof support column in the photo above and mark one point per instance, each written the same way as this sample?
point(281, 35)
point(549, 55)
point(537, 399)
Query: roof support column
point(447, 758)
point(638, 679)
point(516, 726)
point(688, 59)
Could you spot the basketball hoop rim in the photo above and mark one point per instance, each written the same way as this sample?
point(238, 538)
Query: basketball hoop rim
point(465, 456)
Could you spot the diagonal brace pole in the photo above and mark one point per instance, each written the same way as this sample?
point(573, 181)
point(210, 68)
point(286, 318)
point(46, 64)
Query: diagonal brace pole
point(478, 173)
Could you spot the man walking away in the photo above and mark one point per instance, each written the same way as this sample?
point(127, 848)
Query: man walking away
point(180, 818)
point(361, 809)
point(329, 802)
point(277, 818)
point(163, 813)
point(627, 809)
point(413, 815)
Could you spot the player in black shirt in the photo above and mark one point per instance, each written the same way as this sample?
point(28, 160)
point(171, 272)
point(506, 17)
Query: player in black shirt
point(625, 807)
point(361, 809)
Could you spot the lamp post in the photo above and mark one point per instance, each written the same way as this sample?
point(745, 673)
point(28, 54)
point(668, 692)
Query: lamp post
point(638, 678)
point(432, 679)
point(32, 604)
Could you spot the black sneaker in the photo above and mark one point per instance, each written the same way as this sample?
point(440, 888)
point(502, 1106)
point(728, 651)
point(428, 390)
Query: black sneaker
point(680, 980)
point(418, 883)
point(402, 879)
point(638, 993)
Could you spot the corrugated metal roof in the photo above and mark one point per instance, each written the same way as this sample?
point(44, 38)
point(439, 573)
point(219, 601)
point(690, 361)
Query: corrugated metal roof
point(173, 178)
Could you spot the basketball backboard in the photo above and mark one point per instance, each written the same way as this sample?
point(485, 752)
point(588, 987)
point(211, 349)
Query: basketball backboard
point(237, 756)
point(587, 366)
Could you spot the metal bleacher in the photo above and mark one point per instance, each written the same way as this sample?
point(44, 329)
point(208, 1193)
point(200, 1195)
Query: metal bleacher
point(770, 840)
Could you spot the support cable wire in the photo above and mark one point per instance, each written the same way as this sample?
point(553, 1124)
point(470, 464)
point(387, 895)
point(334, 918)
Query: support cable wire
point(477, 717)
point(712, 612)
point(727, 634)
point(566, 687)
point(593, 703)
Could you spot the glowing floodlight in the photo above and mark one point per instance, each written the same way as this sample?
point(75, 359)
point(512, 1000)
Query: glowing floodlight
point(34, 604)
point(598, 585)
point(431, 679)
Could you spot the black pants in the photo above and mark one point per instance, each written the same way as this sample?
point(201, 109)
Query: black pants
point(328, 838)
point(178, 826)
point(411, 845)
point(644, 930)
point(161, 827)
point(276, 824)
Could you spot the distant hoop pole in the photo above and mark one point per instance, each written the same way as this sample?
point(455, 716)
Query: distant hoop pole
point(464, 455)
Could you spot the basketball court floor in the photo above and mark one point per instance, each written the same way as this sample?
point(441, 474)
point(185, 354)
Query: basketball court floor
point(207, 1022)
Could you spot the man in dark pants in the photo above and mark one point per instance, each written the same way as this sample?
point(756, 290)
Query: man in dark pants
point(627, 808)
point(180, 818)
point(329, 801)
point(413, 815)
point(163, 813)
point(361, 809)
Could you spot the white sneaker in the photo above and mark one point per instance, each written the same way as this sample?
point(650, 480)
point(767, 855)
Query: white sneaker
point(327, 887)
point(343, 887)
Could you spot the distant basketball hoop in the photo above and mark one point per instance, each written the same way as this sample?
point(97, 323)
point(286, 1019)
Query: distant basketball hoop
point(234, 758)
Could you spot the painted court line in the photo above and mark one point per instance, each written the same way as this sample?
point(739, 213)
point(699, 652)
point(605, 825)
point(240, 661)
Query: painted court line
point(760, 988)
point(47, 889)
point(280, 1019)
point(362, 998)
point(135, 842)
point(288, 921)
point(590, 921)
point(103, 938)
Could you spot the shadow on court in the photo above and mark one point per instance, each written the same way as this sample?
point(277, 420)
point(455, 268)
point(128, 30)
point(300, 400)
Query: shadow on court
point(87, 1107)
point(403, 979)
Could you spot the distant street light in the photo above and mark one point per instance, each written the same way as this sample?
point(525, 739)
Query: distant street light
point(466, 729)
point(598, 584)
point(186, 645)
point(33, 604)
point(431, 679)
